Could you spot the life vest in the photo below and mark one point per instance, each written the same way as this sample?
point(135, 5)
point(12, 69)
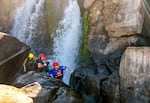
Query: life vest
point(30, 64)
point(58, 73)
point(40, 64)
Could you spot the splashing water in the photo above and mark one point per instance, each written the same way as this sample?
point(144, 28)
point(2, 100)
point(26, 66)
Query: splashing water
point(67, 38)
point(26, 19)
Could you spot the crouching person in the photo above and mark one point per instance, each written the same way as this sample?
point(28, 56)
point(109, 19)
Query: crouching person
point(57, 71)
point(42, 63)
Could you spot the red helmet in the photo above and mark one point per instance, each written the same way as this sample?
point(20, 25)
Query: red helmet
point(55, 64)
point(42, 56)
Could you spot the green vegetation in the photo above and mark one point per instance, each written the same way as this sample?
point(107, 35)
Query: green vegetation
point(48, 13)
point(50, 16)
point(85, 31)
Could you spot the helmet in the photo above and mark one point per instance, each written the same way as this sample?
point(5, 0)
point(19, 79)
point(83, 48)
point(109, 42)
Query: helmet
point(55, 64)
point(31, 55)
point(42, 56)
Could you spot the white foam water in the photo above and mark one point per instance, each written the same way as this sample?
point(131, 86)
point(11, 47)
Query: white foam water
point(67, 38)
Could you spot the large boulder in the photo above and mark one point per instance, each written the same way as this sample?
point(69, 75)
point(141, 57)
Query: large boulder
point(110, 89)
point(11, 94)
point(128, 20)
point(88, 82)
point(52, 90)
point(135, 73)
point(12, 55)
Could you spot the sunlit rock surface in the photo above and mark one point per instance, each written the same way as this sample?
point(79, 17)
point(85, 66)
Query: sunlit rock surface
point(12, 55)
point(135, 73)
point(129, 19)
point(88, 3)
point(11, 94)
point(135, 69)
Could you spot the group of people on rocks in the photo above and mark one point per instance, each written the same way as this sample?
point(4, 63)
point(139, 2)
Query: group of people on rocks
point(40, 64)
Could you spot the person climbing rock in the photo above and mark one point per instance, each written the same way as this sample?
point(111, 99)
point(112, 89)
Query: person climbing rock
point(57, 71)
point(29, 63)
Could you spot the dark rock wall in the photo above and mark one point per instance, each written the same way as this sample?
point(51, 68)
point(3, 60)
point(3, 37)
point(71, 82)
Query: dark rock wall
point(12, 55)
point(146, 30)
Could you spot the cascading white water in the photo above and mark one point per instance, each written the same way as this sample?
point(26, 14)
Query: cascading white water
point(26, 19)
point(67, 38)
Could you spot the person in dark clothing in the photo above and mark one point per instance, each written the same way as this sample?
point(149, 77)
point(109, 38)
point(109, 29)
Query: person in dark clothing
point(29, 63)
point(42, 63)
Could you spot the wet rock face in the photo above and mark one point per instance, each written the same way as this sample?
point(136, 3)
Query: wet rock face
point(110, 89)
point(52, 91)
point(12, 55)
point(88, 83)
point(7, 13)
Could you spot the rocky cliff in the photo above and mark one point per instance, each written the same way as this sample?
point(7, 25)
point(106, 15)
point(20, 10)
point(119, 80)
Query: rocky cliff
point(12, 55)
point(7, 12)
point(134, 75)
point(111, 26)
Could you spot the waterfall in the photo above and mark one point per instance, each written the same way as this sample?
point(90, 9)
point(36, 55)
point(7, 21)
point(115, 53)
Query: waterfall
point(67, 38)
point(26, 19)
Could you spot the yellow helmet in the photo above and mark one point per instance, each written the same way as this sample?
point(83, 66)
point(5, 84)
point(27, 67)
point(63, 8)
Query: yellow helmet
point(31, 55)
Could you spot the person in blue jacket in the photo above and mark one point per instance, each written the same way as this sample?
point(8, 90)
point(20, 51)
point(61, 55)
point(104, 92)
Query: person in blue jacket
point(57, 71)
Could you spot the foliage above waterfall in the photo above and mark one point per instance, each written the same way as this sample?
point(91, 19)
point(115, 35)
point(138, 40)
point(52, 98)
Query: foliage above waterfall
point(85, 31)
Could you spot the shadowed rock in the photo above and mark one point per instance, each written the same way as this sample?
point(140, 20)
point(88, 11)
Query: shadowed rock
point(52, 91)
point(12, 55)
